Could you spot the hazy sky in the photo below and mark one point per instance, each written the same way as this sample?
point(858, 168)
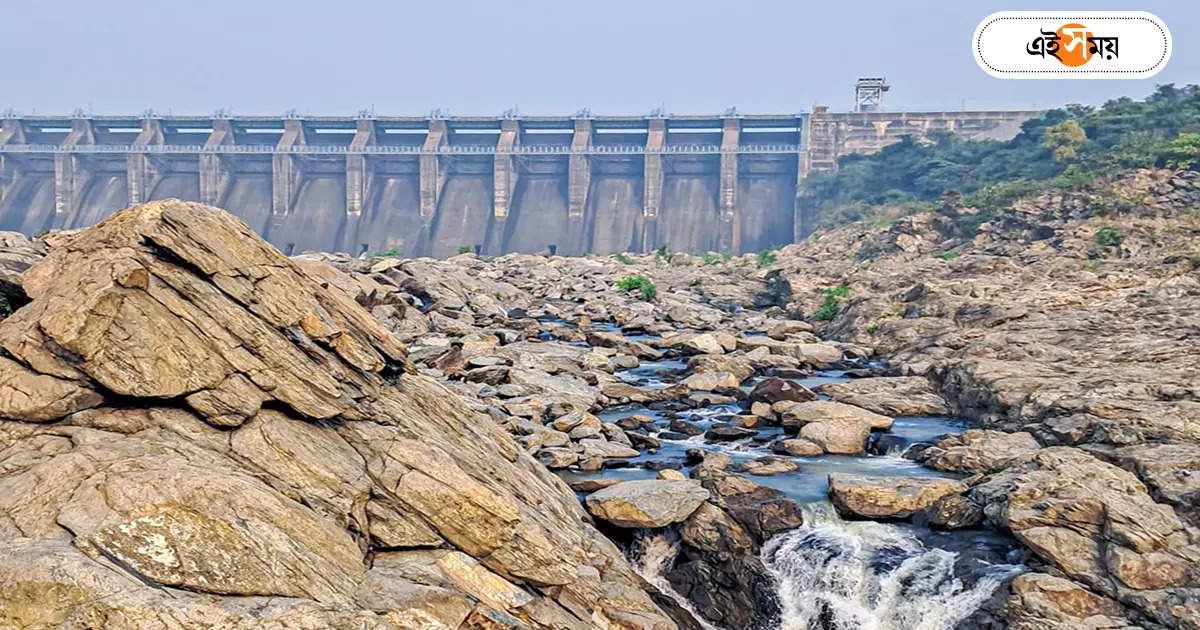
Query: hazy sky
point(545, 56)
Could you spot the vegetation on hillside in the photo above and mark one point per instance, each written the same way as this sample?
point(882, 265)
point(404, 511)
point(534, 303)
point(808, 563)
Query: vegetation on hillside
point(1062, 147)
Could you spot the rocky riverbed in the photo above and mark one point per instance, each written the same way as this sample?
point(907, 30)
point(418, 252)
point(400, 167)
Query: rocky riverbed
point(861, 430)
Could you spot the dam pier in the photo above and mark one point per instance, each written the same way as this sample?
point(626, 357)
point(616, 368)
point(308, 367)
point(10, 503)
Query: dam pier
point(428, 186)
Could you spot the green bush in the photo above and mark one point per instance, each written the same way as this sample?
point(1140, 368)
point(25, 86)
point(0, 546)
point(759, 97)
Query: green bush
point(1092, 266)
point(710, 258)
point(662, 253)
point(766, 258)
point(465, 249)
point(391, 253)
point(872, 328)
point(641, 284)
point(1109, 236)
point(829, 307)
point(727, 256)
point(1002, 194)
point(948, 255)
point(1074, 177)
point(623, 258)
point(838, 291)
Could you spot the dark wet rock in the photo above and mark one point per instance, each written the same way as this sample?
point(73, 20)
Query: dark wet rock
point(952, 511)
point(685, 427)
point(762, 511)
point(885, 444)
point(728, 433)
point(664, 464)
point(642, 440)
point(773, 390)
point(635, 421)
point(719, 572)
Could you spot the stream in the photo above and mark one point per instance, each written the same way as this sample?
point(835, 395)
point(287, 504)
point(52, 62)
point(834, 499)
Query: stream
point(830, 574)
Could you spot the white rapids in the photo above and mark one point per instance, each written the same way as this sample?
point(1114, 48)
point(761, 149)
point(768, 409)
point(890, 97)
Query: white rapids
point(841, 575)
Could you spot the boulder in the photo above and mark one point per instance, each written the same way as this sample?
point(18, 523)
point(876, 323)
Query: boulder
point(737, 366)
point(798, 448)
point(728, 433)
point(825, 411)
point(711, 381)
point(890, 396)
point(783, 330)
point(818, 355)
point(979, 451)
point(1097, 525)
point(646, 503)
point(862, 496)
point(762, 511)
point(693, 343)
point(952, 511)
point(838, 437)
point(198, 432)
point(764, 466)
point(773, 390)
point(1045, 602)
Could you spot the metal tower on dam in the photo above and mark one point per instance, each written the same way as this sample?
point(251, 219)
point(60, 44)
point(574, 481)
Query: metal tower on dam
point(426, 186)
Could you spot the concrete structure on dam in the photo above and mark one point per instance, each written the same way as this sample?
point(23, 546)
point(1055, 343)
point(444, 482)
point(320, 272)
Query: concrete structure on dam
point(430, 185)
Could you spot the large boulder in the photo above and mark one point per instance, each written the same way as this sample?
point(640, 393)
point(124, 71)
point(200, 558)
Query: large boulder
point(773, 390)
point(836, 427)
point(1098, 525)
point(647, 502)
point(199, 432)
point(863, 496)
point(978, 451)
point(890, 396)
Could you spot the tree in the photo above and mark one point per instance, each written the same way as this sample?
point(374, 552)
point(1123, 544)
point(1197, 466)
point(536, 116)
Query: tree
point(1064, 140)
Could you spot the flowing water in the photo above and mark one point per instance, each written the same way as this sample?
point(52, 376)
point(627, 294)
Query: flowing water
point(832, 574)
point(838, 575)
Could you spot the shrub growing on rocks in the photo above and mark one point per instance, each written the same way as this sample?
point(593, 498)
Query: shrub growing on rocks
point(645, 288)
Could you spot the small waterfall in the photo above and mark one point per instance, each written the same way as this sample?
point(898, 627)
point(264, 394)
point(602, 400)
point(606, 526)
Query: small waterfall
point(653, 556)
point(840, 575)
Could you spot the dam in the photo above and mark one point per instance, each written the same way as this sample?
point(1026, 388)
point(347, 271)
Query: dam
point(434, 185)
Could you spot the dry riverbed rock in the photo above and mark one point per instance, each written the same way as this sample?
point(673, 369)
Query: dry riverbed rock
point(647, 503)
point(186, 407)
point(862, 496)
point(890, 396)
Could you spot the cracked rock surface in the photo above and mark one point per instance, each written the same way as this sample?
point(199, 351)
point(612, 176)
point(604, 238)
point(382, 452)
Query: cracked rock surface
point(199, 432)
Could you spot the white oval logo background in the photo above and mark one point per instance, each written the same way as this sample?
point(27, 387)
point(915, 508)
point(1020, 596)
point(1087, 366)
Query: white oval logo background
point(1119, 45)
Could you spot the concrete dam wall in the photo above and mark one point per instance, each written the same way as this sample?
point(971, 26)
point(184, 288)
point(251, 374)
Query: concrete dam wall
point(430, 186)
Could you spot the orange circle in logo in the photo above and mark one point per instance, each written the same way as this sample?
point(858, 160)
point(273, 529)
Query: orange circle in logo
point(1073, 44)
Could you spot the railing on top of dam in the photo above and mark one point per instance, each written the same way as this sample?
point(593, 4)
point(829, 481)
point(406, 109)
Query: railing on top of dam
point(596, 149)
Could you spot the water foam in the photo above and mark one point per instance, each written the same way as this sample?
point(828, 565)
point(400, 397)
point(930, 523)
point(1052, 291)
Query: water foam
point(838, 575)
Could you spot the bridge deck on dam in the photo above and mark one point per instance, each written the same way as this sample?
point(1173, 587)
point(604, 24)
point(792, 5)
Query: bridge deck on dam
point(430, 186)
